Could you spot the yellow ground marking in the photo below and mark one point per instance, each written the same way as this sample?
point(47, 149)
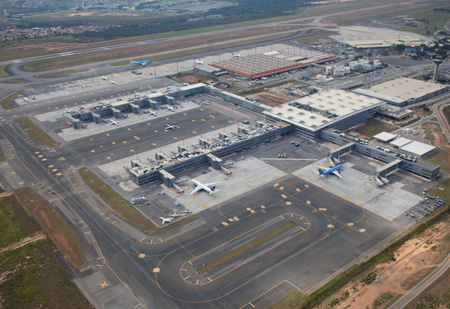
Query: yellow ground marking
point(213, 127)
point(236, 218)
point(264, 181)
point(202, 109)
point(87, 232)
point(183, 269)
point(193, 120)
point(359, 203)
point(203, 119)
point(225, 223)
point(251, 305)
point(252, 211)
point(196, 282)
point(248, 209)
point(114, 222)
point(113, 143)
point(103, 284)
point(230, 121)
point(195, 132)
point(37, 152)
point(92, 150)
point(212, 116)
point(167, 118)
point(308, 202)
point(324, 187)
point(141, 256)
point(20, 183)
point(330, 226)
point(154, 144)
point(362, 230)
point(156, 131)
point(283, 196)
point(322, 209)
point(156, 270)
point(346, 197)
point(277, 176)
point(124, 142)
point(187, 277)
point(44, 159)
point(310, 180)
point(137, 137)
point(298, 190)
point(40, 156)
point(12, 173)
point(276, 185)
point(107, 134)
point(185, 114)
point(54, 170)
point(281, 188)
point(350, 224)
point(148, 123)
point(306, 186)
point(217, 201)
point(129, 129)
point(174, 137)
point(288, 203)
point(209, 279)
point(376, 211)
point(232, 195)
point(263, 207)
point(231, 219)
point(206, 206)
point(253, 186)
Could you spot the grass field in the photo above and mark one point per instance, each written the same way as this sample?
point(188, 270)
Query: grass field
point(63, 73)
point(56, 228)
point(14, 81)
point(15, 224)
point(373, 127)
point(160, 50)
point(35, 279)
point(122, 207)
point(3, 73)
point(245, 247)
point(2, 155)
point(6, 102)
point(36, 132)
point(315, 38)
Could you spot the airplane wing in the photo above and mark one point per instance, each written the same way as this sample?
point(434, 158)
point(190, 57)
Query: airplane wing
point(211, 184)
point(337, 174)
point(323, 168)
point(196, 189)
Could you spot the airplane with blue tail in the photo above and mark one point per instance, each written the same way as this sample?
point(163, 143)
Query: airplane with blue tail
point(333, 170)
point(145, 62)
point(68, 110)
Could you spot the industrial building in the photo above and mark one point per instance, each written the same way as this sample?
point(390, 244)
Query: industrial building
point(403, 91)
point(260, 65)
point(337, 109)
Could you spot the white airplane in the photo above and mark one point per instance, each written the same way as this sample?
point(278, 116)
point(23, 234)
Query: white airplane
point(104, 78)
point(114, 122)
point(153, 113)
point(171, 127)
point(235, 54)
point(175, 215)
point(113, 82)
point(204, 186)
point(165, 220)
point(198, 61)
point(25, 99)
point(186, 211)
point(170, 108)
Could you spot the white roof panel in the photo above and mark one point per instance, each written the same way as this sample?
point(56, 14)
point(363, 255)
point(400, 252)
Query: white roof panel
point(400, 142)
point(417, 148)
point(385, 137)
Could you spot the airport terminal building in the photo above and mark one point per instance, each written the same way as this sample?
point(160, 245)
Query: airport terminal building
point(337, 109)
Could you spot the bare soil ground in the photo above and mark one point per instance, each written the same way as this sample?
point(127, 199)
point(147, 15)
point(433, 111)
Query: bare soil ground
point(271, 99)
point(416, 258)
point(190, 79)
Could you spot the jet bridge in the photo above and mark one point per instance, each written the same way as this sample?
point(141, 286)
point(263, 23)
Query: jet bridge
point(387, 168)
point(336, 153)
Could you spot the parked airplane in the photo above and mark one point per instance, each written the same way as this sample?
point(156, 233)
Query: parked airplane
point(186, 211)
point(104, 78)
point(175, 215)
point(153, 113)
point(198, 61)
point(171, 127)
point(333, 170)
point(143, 63)
point(68, 110)
point(114, 122)
point(165, 220)
point(235, 54)
point(25, 99)
point(204, 186)
point(113, 82)
point(170, 108)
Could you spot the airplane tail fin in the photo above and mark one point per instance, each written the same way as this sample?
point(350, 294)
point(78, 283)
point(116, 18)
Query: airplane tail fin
point(320, 172)
point(213, 188)
point(131, 61)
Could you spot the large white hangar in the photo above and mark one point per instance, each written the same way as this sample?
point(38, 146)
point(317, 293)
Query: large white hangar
point(403, 91)
point(259, 65)
point(338, 109)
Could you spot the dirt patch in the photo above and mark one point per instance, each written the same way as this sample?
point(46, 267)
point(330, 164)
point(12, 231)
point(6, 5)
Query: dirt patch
point(413, 260)
point(435, 135)
point(189, 79)
point(271, 99)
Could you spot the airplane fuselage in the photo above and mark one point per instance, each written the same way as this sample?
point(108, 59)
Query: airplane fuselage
point(331, 170)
